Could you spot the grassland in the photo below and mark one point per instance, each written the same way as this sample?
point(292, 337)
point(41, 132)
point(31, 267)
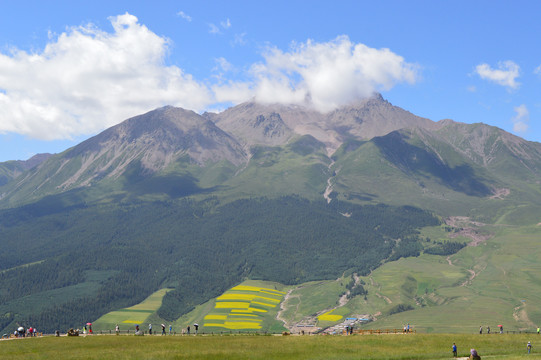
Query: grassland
point(495, 282)
point(411, 346)
point(136, 314)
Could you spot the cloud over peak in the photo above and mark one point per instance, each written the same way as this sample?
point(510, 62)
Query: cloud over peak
point(87, 79)
point(326, 75)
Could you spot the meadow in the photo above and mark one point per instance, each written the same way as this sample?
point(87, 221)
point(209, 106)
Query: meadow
point(410, 346)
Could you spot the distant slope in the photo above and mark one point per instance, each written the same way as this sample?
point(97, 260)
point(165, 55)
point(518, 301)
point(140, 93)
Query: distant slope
point(200, 249)
point(9, 170)
point(481, 284)
point(441, 170)
point(134, 150)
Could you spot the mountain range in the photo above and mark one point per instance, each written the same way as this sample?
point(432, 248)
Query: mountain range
point(91, 206)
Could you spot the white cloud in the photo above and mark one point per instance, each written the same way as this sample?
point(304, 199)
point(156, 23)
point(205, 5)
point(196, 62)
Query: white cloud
point(86, 80)
point(213, 29)
point(222, 65)
point(240, 39)
point(232, 92)
point(226, 24)
point(328, 75)
point(521, 119)
point(504, 75)
point(185, 16)
point(537, 70)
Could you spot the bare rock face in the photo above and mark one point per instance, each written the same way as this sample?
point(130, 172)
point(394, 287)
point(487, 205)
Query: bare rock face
point(276, 124)
point(156, 139)
point(373, 117)
point(253, 124)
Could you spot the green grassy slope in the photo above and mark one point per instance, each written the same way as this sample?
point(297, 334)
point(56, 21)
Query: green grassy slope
point(137, 314)
point(424, 170)
point(495, 282)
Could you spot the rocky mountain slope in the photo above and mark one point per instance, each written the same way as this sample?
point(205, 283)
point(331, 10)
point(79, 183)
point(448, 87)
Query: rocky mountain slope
point(369, 150)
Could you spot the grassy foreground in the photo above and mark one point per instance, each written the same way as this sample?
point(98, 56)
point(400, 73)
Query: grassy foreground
point(413, 346)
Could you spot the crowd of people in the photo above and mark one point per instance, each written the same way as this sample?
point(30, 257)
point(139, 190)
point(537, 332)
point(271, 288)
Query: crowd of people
point(138, 330)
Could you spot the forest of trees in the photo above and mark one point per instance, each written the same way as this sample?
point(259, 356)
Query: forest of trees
point(198, 248)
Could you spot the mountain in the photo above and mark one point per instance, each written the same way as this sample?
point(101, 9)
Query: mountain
point(11, 169)
point(199, 203)
point(257, 124)
point(131, 154)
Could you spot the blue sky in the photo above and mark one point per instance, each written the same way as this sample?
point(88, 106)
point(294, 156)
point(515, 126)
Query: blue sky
point(69, 69)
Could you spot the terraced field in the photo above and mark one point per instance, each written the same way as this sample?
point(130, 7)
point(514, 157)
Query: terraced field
point(243, 307)
point(128, 317)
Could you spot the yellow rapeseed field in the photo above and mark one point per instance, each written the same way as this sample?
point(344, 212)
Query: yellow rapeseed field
point(240, 307)
point(329, 317)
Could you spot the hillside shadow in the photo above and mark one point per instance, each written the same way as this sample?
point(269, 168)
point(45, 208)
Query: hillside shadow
point(417, 161)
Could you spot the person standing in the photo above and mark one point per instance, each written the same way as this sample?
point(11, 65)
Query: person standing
point(170, 329)
point(538, 330)
point(480, 329)
point(150, 329)
point(488, 329)
point(196, 326)
point(117, 329)
point(188, 328)
point(529, 347)
point(163, 329)
point(455, 352)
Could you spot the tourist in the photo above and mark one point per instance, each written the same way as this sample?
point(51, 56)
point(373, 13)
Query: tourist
point(117, 329)
point(529, 347)
point(163, 329)
point(170, 328)
point(474, 355)
point(488, 329)
point(455, 354)
point(480, 329)
point(138, 331)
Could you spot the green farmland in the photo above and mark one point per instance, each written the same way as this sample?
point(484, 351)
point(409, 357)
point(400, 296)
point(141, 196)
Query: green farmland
point(128, 317)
